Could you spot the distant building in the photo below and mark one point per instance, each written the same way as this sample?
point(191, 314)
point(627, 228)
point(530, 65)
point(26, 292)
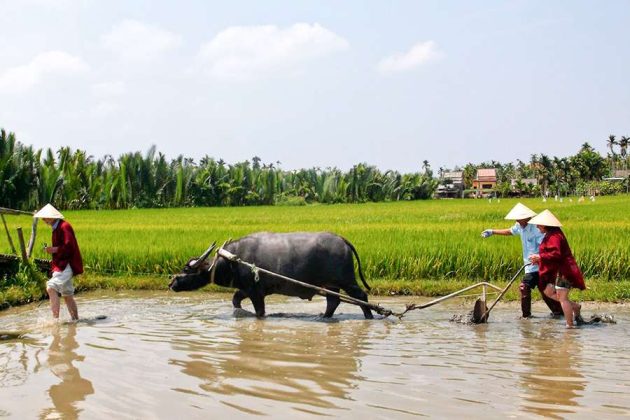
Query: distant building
point(620, 175)
point(451, 185)
point(486, 179)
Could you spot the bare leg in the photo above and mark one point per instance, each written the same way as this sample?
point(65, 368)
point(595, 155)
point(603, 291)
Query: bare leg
point(552, 304)
point(54, 302)
point(72, 307)
point(567, 306)
point(550, 292)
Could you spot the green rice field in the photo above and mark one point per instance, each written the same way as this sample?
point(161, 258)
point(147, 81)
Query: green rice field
point(400, 243)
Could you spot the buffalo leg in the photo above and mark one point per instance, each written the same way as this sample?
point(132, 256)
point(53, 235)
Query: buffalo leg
point(238, 297)
point(358, 293)
point(258, 300)
point(332, 302)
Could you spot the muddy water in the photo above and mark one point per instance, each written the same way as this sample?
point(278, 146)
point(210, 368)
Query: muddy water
point(160, 355)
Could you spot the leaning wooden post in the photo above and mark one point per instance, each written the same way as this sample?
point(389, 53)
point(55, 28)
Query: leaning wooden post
point(22, 246)
point(8, 234)
point(31, 241)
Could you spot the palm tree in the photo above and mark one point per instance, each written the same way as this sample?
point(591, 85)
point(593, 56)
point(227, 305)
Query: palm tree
point(611, 143)
point(623, 150)
point(586, 147)
point(425, 165)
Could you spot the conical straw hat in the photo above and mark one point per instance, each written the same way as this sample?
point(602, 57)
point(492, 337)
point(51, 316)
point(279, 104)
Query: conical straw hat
point(520, 212)
point(545, 218)
point(48, 212)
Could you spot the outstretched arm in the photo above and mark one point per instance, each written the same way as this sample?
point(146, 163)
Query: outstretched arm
point(489, 232)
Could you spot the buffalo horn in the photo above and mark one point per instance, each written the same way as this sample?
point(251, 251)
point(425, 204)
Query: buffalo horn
point(203, 256)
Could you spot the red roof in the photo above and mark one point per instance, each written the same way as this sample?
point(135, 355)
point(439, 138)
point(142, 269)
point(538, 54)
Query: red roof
point(487, 175)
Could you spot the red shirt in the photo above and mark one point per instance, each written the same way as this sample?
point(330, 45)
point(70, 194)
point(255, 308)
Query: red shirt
point(68, 249)
point(556, 259)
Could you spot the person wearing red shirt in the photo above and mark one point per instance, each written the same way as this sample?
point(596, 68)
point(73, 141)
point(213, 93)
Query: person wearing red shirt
point(530, 240)
point(66, 261)
point(559, 271)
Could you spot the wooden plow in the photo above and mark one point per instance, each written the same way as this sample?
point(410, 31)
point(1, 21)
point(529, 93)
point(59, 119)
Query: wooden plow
point(480, 312)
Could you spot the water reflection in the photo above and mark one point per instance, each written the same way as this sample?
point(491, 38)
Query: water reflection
point(15, 360)
point(296, 362)
point(552, 381)
point(73, 388)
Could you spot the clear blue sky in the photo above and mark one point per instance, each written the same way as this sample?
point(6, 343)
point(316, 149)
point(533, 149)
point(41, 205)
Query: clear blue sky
point(317, 83)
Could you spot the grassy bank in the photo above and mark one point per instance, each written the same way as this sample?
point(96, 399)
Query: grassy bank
point(399, 243)
point(25, 286)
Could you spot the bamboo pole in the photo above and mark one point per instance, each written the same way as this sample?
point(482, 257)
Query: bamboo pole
point(4, 210)
point(485, 315)
point(452, 295)
point(8, 234)
point(22, 246)
point(31, 241)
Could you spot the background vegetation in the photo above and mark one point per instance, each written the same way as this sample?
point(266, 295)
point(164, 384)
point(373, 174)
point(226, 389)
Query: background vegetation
point(401, 240)
point(70, 179)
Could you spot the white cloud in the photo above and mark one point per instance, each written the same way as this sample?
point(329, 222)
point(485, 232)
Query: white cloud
point(133, 40)
point(247, 52)
point(109, 89)
point(51, 63)
point(418, 55)
point(104, 109)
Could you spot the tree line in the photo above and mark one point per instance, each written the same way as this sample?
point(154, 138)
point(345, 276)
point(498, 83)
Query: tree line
point(579, 174)
point(72, 179)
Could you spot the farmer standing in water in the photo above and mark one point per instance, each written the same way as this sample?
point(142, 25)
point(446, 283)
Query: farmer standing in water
point(66, 261)
point(530, 240)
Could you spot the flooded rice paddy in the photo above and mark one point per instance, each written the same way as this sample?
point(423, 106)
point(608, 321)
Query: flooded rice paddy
point(161, 355)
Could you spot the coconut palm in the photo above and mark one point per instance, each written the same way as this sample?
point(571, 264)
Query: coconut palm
point(611, 143)
point(623, 150)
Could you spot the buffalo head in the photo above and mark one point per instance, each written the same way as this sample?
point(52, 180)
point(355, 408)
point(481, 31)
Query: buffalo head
point(194, 275)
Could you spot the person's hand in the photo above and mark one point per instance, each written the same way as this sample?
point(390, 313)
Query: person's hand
point(50, 249)
point(534, 258)
point(486, 233)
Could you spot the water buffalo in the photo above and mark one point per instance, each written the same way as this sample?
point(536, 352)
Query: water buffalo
point(321, 259)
